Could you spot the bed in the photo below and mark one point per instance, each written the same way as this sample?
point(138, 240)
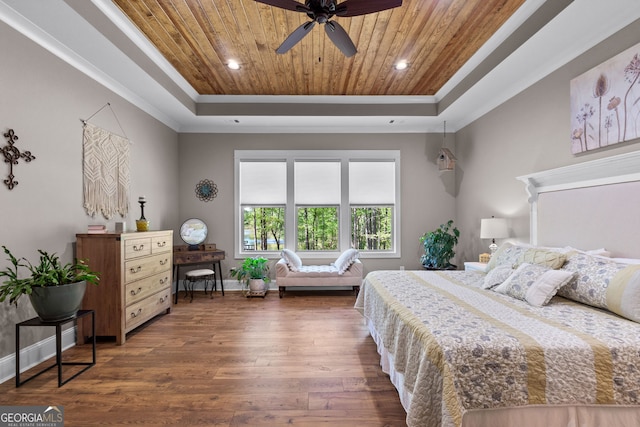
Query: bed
point(507, 348)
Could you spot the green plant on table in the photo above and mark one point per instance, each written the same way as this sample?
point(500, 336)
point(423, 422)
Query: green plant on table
point(439, 246)
point(48, 272)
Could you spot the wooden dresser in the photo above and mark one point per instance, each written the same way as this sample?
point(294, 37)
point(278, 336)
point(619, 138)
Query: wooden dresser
point(135, 278)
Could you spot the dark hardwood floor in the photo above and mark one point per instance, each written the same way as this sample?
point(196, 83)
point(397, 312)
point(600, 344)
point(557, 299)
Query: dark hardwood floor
point(306, 360)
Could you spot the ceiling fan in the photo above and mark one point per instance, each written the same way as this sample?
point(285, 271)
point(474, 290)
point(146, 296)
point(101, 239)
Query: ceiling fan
point(321, 12)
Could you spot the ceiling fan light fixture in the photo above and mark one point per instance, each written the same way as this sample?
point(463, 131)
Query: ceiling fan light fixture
point(233, 64)
point(401, 65)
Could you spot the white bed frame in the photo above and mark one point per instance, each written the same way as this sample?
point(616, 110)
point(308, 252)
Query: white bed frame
point(592, 179)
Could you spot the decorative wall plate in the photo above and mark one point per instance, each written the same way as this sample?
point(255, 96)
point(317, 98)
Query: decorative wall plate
point(206, 190)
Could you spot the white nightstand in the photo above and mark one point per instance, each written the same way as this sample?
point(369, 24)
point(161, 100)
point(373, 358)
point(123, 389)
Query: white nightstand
point(475, 266)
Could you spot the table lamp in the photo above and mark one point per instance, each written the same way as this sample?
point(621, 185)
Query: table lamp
point(493, 228)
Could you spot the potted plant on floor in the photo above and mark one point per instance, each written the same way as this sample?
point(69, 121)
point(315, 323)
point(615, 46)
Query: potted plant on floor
point(439, 247)
point(254, 273)
point(55, 289)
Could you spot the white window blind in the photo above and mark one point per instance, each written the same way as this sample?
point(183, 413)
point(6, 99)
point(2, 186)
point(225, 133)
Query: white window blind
point(317, 183)
point(372, 183)
point(263, 183)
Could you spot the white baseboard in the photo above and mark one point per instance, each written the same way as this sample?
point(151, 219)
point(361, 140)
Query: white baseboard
point(35, 354)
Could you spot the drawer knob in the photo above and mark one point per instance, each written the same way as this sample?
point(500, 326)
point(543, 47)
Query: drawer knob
point(138, 248)
point(164, 262)
point(136, 314)
point(163, 299)
point(163, 281)
point(135, 270)
point(136, 292)
point(161, 244)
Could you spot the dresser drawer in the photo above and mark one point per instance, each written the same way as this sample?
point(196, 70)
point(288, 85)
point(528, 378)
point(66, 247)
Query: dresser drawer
point(140, 289)
point(134, 248)
point(140, 312)
point(161, 244)
point(140, 268)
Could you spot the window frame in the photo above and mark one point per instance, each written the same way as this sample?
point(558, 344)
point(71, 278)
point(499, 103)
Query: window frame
point(344, 209)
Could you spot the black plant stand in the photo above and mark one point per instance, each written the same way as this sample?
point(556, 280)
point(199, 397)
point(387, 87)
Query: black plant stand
point(59, 363)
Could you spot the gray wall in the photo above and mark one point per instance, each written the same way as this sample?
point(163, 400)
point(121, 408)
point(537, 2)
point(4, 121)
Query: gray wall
point(526, 134)
point(427, 196)
point(42, 100)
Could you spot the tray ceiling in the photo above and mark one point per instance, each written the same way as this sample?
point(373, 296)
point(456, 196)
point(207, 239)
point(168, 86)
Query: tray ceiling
point(169, 58)
point(200, 37)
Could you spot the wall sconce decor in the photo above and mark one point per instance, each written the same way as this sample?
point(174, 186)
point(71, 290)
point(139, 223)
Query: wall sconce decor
point(493, 228)
point(446, 159)
point(12, 155)
point(206, 190)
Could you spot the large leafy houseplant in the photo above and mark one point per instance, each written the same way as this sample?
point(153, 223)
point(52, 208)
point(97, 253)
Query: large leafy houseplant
point(252, 270)
point(439, 247)
point(41, 280)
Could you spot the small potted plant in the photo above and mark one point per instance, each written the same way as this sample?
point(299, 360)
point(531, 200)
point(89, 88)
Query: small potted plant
point(254, 273)
point(55, 289)
point(438, 247)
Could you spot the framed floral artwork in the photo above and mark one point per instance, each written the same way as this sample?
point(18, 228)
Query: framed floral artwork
point(605, 103)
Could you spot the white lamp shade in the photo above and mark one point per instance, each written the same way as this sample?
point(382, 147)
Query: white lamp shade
point(493, 228)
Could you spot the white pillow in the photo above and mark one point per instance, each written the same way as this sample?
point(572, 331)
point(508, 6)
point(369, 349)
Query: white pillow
point(521, 280)
point(345, 260)
point(546, 286)
point(496, 276)
point(292, 259)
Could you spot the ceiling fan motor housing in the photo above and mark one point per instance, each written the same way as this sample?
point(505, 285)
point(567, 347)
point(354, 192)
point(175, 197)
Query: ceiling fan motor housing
point(321, 11)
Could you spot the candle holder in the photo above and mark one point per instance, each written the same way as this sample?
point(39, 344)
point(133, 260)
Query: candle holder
point(142, 224)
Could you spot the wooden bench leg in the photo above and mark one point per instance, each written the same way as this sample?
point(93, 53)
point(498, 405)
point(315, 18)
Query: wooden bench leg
point(281, 290)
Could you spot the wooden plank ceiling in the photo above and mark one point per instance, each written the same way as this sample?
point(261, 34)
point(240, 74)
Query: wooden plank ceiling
point(200, 37)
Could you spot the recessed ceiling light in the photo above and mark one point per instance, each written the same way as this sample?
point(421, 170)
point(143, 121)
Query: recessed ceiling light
point(401, 65)
point(233, 65)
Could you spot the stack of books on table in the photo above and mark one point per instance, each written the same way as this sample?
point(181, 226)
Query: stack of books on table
point(97, 229)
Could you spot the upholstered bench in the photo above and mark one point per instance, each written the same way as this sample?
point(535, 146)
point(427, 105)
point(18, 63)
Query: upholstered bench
point(347, 270)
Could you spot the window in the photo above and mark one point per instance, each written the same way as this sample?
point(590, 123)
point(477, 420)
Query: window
point(317, 202)
point(263, 196)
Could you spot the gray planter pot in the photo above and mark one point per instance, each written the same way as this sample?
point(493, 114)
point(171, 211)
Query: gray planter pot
point(53, 303)
point(257, 285)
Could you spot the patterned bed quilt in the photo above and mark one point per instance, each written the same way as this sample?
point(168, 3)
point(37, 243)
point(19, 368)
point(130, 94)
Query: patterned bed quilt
point(461, 348)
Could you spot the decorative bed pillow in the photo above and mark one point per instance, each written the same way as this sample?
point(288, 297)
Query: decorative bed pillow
point(521, 280)
point(546, 286)
point(623, 293)
point(593, 275)
point(345, 260)
point(292, 259)
point(546, 257)
point(496, 276)
point(507, 254)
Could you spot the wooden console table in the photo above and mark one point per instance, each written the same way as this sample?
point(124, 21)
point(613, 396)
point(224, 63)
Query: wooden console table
point(203, 255)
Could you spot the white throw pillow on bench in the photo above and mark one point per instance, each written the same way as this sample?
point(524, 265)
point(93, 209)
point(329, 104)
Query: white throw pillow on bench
point(345, 260)
point(292, 259)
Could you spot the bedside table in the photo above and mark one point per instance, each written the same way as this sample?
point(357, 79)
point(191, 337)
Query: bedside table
point(475, 266)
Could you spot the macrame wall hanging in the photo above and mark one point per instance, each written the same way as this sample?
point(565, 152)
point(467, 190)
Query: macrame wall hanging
point(106, 169)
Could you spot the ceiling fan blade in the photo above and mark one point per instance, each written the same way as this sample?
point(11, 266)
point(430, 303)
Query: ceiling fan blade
point(295, 37)
point(340, 38)
point(363, 7)
point(286, 4)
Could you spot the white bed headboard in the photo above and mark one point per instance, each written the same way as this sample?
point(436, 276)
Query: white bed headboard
point(588, 205)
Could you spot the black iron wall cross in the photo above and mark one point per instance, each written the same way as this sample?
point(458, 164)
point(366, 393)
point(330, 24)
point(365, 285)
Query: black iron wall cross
point(12, 155)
